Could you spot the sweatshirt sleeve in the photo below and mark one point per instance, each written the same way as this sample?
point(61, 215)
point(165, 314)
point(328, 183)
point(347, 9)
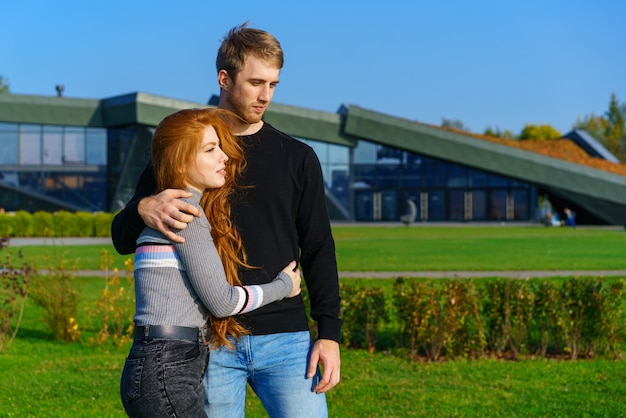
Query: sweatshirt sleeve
point(127, 224)
point(206, 273)
point(317, 258)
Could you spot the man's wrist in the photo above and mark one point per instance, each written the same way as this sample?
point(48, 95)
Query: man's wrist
point(329, 329)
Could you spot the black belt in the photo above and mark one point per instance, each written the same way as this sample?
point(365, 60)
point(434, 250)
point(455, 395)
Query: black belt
point(168, 332)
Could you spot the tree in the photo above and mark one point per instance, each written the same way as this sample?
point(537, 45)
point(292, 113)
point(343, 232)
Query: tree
point(595, 126)
point(454, 124)
point(4, 85)
point(615, 130)
point(609, 130)
point(540, 132)
point(497, 133)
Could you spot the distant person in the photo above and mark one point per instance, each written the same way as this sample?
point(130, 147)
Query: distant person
point(570, 217)
point(281, 214)
point(179, 286)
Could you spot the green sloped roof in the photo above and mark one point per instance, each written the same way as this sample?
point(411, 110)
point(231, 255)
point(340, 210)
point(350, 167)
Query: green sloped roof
point(600, 192)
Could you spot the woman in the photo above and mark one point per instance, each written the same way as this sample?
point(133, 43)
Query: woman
point(179, 287)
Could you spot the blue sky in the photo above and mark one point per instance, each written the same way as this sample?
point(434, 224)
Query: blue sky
point(501, 64)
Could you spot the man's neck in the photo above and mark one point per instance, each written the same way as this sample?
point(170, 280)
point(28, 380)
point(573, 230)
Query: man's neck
point(248, 129)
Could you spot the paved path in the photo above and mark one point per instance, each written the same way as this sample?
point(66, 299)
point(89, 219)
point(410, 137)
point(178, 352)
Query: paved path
point(476, 274)
point(20, 242)
point(447, 274)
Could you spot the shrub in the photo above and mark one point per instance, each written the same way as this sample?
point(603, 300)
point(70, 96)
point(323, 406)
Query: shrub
point(611, 329)
point(112, 314)
point(14, 285)
point(83, 224)
point(362, 311)
point(7, 225)
point(102, 224)
point(546, 329)
point(58, 293)
point(63, 225)
point(509, 318)
point(43, 224)
point(23, 224)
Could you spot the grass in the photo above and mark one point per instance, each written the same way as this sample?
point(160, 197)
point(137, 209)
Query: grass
point(472, 248)
point(431, 248)
point(43, 377)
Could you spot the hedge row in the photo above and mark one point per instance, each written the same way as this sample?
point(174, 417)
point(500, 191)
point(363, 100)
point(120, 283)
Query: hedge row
point(505, 318)
point(57, 224)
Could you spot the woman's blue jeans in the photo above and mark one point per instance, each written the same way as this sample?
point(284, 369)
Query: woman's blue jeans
point(163, 378)
point(275, 366)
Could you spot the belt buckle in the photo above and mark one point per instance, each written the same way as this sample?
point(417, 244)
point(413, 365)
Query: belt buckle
point(204, 331)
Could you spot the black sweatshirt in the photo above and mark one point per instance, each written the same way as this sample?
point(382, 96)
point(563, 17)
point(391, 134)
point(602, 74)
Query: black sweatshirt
point(281, 217)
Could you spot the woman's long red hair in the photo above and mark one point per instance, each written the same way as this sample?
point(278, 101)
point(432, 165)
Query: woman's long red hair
point(175, 144)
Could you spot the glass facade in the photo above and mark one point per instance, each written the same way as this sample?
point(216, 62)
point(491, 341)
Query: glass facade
point(370, 182)
point(373, 182)
point(62, 162)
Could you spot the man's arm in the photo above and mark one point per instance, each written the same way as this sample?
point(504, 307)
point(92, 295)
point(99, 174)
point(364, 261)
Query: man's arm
point(127, 224)
point(163, 212)
point(319, 264)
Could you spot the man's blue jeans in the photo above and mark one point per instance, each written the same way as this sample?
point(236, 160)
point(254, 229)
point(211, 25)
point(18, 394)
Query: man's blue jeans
point(275, 366)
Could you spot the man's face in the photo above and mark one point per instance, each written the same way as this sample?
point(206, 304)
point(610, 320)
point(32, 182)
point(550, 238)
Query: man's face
point(252, 91)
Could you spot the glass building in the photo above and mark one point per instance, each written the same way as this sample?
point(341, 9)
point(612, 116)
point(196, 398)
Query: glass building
point(373, 182)
point(76, 154)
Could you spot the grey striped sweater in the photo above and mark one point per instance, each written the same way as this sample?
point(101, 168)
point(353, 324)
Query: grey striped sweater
point(177, 284)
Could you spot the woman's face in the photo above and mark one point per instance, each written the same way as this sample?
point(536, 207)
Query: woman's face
point(209, 170)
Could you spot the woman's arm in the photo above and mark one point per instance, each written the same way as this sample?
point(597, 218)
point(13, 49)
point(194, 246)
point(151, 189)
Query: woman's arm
point(206, 273)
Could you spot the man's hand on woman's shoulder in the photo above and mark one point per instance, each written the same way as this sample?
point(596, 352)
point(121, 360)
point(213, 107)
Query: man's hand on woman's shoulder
point(165, 212)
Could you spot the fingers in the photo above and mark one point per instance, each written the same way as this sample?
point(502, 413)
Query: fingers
point(166, 212)
point(172, 236)
point(313, 362)
point(326, 354)
point(294, 273)
point(330, 379)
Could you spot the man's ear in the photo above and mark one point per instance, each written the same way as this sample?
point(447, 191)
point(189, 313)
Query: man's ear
point(223, 79)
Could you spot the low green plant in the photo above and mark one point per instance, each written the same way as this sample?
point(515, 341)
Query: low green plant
point(111, 315)
point(58, 292)
point(83, 224)
point(23, 224)
point(7, 224)
point(102, 224)
point(43, 224)
point(508, 318)
point(14, 286)
point(362, 310)
point(64, 225)
point(546, 329)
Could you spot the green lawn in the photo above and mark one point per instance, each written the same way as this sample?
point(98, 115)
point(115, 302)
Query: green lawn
point(433, 248)
point(492, 248)
point(40, 377)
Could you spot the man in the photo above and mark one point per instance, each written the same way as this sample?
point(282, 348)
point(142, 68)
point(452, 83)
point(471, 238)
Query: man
point(281, 214)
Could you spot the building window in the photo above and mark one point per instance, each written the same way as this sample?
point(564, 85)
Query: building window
point(52, 145)
point(74, 146)
point(9, 138)
point(30, 144)
point(96, 144)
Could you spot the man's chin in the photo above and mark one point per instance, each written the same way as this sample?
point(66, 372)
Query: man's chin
point(252, 119)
